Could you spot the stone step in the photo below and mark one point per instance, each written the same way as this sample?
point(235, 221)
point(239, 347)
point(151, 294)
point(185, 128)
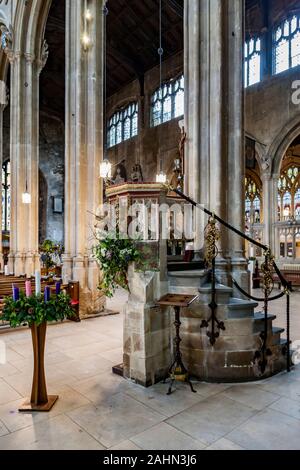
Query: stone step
point(239, 308)
point(276, 335)
point(187, 282)
point(223, 294)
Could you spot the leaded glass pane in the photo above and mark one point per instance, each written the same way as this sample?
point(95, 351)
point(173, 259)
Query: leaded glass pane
point(252, 61)
point(282, 56)
point(123, 125)
point(168, 102)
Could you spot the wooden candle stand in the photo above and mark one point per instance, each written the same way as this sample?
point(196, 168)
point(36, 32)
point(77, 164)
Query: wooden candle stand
point(40, 400)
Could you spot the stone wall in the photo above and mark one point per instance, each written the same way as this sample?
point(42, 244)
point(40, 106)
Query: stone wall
point(145, 147)
point(52, 167)
point(51, 172)
point(270, 112)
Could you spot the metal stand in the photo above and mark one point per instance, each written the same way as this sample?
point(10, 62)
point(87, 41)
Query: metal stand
point(178, 370)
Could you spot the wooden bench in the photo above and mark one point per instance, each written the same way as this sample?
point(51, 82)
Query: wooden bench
point(291, 273)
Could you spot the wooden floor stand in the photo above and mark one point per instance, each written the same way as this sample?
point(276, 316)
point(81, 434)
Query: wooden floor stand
point(40, 400)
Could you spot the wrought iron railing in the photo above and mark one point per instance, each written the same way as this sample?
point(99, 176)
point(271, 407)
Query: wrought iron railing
point(269, 266)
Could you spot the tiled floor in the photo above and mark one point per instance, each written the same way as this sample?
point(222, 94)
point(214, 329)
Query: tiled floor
point(99, 410)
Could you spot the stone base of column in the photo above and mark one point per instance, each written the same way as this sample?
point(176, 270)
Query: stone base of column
point(11, 263)
point(1, 262)
point(19, 264)
point(86, 272)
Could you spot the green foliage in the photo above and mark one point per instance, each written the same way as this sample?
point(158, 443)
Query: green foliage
point(114, 256)
point(34, 310)
point(49, 250)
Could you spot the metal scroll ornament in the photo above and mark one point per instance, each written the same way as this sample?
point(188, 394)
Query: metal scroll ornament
point(267, 268)
point(212, 235)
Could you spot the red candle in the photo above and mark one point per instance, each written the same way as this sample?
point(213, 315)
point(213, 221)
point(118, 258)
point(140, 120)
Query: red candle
point(28, 289)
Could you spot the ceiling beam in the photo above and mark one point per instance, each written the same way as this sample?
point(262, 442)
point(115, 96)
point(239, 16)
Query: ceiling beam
point(177, 7)
point(123, 58)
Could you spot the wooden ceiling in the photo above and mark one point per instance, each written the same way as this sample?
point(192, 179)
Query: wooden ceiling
point(133, 37)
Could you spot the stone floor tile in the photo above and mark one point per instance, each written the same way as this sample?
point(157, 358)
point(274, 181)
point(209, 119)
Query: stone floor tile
point(7, 393)
point(250, 395)
point(115, 421)
point(166, 437)
point(3, 429)
point(58, 433)
point(156, 398)
point(224, 444)
point(7, 369)
point(212, 418)
point(125, 445)
point(99, 388)
point(287, 406)
point(268, 430)
point(68, 400)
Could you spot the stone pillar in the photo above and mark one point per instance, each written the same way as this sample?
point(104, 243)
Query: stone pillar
point(214, 114)
point(3, 104)
point(24, 155)
point(267, 206)
point(273, 230)
point(84, 149)
point(203, 104)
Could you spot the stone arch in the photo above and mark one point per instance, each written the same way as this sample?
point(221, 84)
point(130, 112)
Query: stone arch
point(284, 139)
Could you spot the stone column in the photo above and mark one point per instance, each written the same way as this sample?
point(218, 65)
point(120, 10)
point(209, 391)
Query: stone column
point(3, 104)
point(214, 114)
point(84, 148)
point(267, 206)
point(203, 104)
point(24, 155)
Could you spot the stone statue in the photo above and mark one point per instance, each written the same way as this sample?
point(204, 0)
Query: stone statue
point(137, 175)
point(120, 176)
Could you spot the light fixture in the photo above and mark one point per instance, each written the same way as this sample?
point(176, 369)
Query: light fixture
point(86, 40)
point(88, 15)
point(105, 169)
point(26, 198)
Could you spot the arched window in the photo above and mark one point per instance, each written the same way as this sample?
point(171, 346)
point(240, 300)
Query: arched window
point(286, 44)
point(253, 202)
point(123, 125)
point(252, 61)
point(289, 193)
point(167, 102)
point(6, 196)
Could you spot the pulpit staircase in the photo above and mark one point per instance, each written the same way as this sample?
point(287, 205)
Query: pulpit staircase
point(236, 352)
point(236, 343)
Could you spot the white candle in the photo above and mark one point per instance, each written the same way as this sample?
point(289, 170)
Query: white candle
point(37, 282)
point(6, 270)
point(251, 252)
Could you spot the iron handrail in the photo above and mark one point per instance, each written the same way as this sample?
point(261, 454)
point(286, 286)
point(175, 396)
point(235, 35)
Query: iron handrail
point(286, 284)
point(261, 356)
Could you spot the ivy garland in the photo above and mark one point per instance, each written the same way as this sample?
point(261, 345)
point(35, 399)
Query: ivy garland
point(114, 256)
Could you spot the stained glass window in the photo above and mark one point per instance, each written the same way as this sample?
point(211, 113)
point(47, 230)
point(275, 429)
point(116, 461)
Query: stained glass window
point(6, 196)
point(168, 102)
point(253, 207)
point(289, 193)
point(286, 45)
point(252, 61)
point(123, 125)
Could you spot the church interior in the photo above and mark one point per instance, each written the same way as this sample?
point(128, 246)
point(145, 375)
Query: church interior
point(176, 123)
